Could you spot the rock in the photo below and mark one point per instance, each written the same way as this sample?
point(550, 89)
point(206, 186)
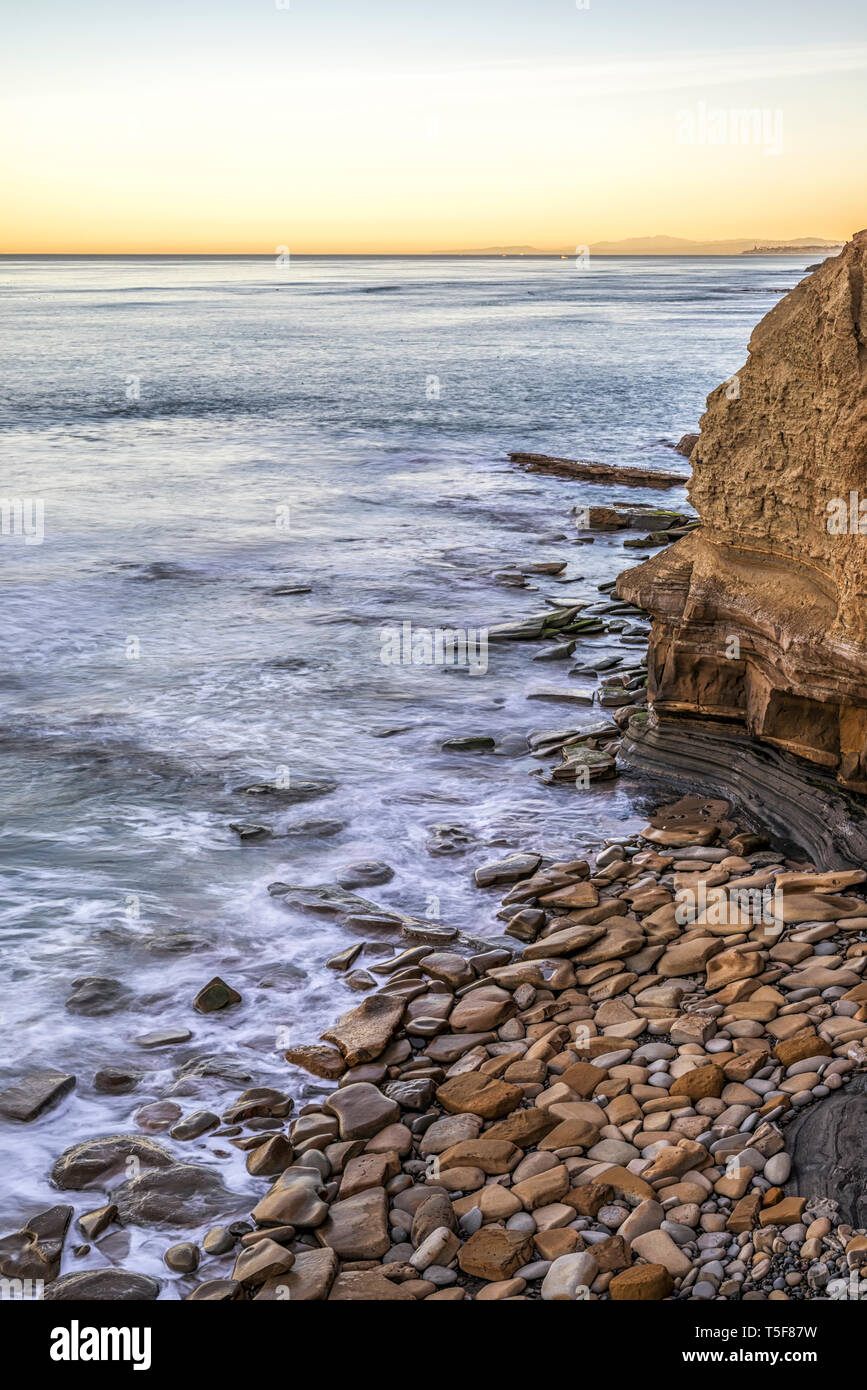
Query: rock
point(777, 545)
point(494, 1254)
point(367, 1286)
point(362, 1110)
point(192, 1126)
point(699, 1083)
point(35, 1251)
point(215, 1291)
point(641, 1283)
point(826, 1143)
point(308, 1281)
point(182, 1258)
point(24, 1100)
point(686, 444)
point(295, 1200)
point(95, 996)
point(357, 1227)
point(95, 1162)
point(116, 1081)
point(103, 1286)
point(480, 1095)
point(657, 1248)
point(364, 1032)
point(365, 874)
point(805, 1043)
point(163, 1037)
point(264, 1260)
point(181, 1194)
point(507, 870)
point(569, 1278)
point(326, 1062)
point(215, 995)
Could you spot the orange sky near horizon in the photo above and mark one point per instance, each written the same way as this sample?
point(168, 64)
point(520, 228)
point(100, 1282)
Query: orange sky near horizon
point(386, 155)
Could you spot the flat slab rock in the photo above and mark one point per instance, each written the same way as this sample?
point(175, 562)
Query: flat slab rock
point(24, 1100)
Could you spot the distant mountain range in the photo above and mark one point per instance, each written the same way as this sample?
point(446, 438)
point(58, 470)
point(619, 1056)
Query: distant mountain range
point(674, 246)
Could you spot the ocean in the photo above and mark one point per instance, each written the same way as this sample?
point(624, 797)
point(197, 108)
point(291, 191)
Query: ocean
point(223, 479)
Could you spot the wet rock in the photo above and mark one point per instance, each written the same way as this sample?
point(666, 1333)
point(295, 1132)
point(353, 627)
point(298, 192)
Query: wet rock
point(509, 870)
point(182, 1258)
point(95, 1162)
point(24, 1100)
point(192, 1126)
point(116, 1081)
point(163, 1037)
point(35, 1251)
point(299, 789)
point(215, 995)
point(158, 1115)
point(249, 830)
point(365, 873)
point(94, 1223)
point(181, 1194)
point(103, 1286)
point(94, 996)
point(325, 1062)
point(365, 1032)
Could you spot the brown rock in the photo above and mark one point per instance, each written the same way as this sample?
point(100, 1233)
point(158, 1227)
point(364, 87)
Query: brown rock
point(699, 1083)
point(475, 1094)
point(805, 1043)
point(493, 1254)
point(641, 1283)
point(363, 1033)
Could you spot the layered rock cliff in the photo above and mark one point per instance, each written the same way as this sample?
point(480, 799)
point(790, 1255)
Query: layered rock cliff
point(760, 615)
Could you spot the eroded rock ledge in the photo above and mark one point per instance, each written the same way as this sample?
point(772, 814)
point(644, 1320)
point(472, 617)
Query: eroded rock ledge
point(759, 617)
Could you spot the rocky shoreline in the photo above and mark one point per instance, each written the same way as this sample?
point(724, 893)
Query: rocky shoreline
point(651, 1083)
point(594, 1105)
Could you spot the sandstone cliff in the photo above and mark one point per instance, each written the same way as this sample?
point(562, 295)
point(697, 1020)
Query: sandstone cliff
point(760, 616)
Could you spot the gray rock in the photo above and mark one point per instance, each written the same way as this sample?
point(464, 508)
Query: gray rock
point(24, 1100)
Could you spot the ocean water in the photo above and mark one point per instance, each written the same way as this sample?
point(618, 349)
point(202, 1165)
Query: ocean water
point(193, 435)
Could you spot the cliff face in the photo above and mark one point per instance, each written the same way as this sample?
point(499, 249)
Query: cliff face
point(760, 616)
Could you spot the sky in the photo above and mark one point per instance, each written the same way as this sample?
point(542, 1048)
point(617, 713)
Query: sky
point(427, 125)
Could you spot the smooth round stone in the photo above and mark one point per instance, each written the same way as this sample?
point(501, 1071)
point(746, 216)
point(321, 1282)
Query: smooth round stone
point(472, 1221)
point(718, 1045)
point(400, 1253)
point(521, 1221)
point(218, 1241)
point(652, 1052)
point(612, 1059)
point(612, 1217)
point(537, 1270)
point(703, 1289)
point(440, 1276)
point(777, 1169)
point(821, 1091)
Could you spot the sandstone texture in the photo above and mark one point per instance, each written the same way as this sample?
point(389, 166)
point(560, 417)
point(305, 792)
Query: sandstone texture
point(760, 615)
